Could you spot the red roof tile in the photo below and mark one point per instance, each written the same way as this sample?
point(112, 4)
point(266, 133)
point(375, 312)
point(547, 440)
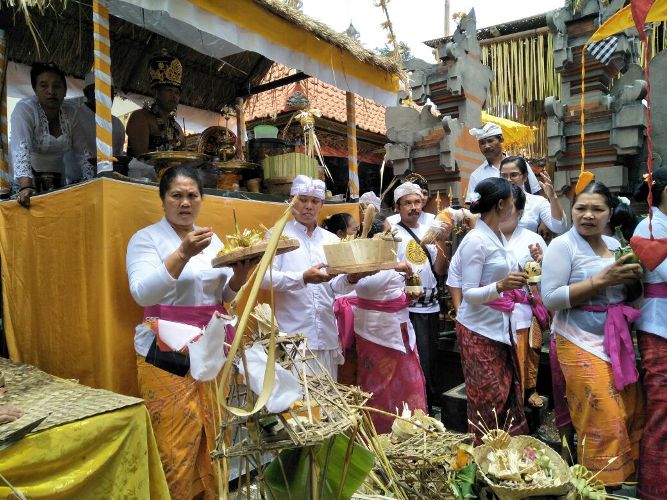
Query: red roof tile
point(327, 98)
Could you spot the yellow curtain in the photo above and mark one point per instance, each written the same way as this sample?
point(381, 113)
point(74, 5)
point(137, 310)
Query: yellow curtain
point(111, 456)
point(67, 306)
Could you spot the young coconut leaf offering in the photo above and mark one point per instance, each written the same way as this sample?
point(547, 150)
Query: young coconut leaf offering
point(625, 248)
point(249, 244)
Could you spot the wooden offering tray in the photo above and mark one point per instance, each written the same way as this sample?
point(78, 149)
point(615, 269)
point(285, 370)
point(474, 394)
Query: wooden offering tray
point(257, 250)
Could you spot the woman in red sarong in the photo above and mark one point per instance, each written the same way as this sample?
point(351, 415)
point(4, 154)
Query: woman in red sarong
point(387, 359)
point(652, 333)
point(483, 328)
point(170, 274)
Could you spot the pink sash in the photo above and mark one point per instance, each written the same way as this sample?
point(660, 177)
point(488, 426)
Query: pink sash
point(345, 316)
point(655, 290)
point(198, 316)
point(618, 342)
point(505, 303)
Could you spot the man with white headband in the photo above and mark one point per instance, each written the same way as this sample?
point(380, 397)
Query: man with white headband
point(424, 217)
point(490, 140)
point(303, 295)
point(85, 128)
point(428, 262)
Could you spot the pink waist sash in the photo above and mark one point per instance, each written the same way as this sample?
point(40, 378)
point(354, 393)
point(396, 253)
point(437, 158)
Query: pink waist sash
point(505, 303)
point(345, 315)
point(655, 290)
point(618, 342)
point(197, 316)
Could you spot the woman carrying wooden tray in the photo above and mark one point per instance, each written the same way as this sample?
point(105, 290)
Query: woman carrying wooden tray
point(170, 275)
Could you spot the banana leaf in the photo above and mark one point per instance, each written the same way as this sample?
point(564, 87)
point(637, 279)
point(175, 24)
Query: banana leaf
point(294, 480)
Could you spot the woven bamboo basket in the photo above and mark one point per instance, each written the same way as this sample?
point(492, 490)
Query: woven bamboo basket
point(331, 403)
point(559, 467)
point(422, 462)
point(360, 255)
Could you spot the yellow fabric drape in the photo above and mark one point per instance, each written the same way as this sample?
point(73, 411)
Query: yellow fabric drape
point(67, 305)
point(514, 133)
point(622, 20)
point(257, 19)
point(111, 456)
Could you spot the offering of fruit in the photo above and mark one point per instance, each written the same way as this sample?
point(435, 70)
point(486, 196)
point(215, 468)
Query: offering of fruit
point(625, 248)
point(413, 284)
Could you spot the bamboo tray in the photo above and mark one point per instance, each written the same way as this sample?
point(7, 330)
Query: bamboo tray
point(245, 253)
point(362, 268)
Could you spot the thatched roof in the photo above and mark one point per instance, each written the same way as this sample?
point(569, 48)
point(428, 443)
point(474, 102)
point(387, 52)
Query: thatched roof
point(66, 39)
point(508, 28)
point(321, 30)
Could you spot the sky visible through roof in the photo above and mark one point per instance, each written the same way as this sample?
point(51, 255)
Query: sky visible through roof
point(418, 20)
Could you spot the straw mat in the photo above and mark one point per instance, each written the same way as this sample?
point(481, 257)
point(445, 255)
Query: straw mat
point(39, 394)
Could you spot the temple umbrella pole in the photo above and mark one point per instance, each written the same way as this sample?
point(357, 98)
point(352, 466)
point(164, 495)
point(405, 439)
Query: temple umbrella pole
point(102, 56)
point(5, 178)
point(352, 162)
point(240, 127)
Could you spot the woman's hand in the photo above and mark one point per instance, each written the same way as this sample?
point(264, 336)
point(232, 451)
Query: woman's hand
point(546, 184)
point(195, 242)
point(513, 281)
point(316, 275)
point(241, 270)
point(404, 267)
point(620, 272)
point(24, 195)
point(536, 252)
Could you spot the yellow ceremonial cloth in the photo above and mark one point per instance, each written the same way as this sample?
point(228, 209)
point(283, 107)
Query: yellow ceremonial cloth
point(623, 20)
point(110, 456)
point(67, 305)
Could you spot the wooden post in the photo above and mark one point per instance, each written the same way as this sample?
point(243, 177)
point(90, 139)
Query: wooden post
point(5, 178)
point(102, 56)
point(240, 127)
point(352, 162)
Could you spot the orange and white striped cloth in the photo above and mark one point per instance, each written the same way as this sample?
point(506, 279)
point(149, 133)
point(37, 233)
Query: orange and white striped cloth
point(352, 160)
point(102, 59)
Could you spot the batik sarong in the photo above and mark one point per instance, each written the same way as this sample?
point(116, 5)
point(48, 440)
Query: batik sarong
point(492, 382)
point(608, 422)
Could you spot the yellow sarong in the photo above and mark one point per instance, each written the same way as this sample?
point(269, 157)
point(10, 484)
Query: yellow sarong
point(182, 414)
point(610, 421)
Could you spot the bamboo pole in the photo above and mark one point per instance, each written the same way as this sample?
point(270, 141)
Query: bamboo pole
point(352, 161)
point(240, 128)
point(102, 57)
point(5, 178)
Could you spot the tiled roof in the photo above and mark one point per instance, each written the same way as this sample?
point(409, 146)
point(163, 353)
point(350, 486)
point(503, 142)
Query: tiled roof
point(327, 98)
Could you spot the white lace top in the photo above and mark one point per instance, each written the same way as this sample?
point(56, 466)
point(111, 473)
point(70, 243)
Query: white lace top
point(32, 147)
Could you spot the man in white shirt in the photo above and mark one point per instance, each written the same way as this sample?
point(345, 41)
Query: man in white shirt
point(490, 140)
point(303, 295)
point(86, 129)
point(428, 261)
point(424, 217)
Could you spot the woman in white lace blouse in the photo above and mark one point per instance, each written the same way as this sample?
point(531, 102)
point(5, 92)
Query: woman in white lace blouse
point(41, 133)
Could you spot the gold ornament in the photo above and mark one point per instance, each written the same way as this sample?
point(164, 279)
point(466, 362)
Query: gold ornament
point(415, 253)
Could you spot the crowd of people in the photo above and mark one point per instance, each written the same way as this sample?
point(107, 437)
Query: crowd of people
point(366, 329)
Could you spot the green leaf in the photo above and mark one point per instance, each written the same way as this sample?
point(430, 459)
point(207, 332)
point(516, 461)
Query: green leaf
point(361, 464)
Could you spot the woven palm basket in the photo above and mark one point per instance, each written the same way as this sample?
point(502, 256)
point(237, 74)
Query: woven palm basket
point(559, 467)
point(361, 254)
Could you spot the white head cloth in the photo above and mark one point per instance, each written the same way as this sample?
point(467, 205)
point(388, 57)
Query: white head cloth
point(406, 188)
point(488, 130)
point(305, 186)
point(370, 198)
point(90, 80)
